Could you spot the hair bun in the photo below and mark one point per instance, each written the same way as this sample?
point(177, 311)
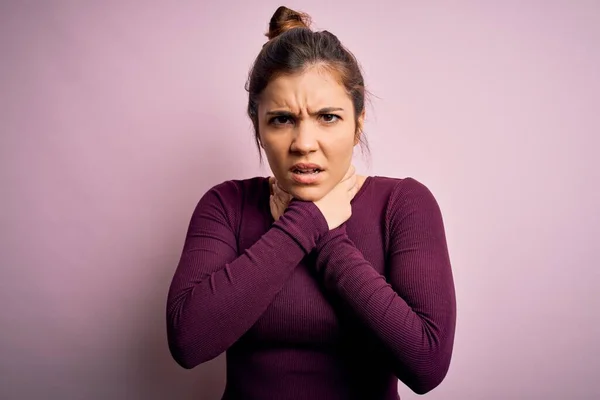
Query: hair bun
point(285, 19)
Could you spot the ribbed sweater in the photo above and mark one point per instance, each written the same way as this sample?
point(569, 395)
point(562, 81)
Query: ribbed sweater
point(304, 312)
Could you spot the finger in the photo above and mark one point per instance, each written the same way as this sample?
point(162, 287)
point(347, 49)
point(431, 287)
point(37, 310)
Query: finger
point(284, 193)
point(278, 191)
point(346, 178)
point(281, 198)
point(279, 206)
point(350, 173)
point(352, 182)
point(354, 190)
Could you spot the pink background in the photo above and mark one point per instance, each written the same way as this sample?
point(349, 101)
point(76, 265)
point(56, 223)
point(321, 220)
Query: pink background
point(117, 116)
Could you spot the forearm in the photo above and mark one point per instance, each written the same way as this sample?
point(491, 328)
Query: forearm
point(419, 341)
point(207, 313)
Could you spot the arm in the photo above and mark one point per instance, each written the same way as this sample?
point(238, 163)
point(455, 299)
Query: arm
point(413, 315)
point(215, 295)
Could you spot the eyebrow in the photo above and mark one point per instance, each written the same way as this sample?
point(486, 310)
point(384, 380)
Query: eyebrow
point(326, 110)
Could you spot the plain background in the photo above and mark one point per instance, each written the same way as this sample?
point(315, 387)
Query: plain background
point(116, 116)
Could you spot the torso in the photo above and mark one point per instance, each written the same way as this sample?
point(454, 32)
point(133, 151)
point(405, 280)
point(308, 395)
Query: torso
point(329, 347)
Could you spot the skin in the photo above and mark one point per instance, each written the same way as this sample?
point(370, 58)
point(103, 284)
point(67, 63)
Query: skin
point(309, 117)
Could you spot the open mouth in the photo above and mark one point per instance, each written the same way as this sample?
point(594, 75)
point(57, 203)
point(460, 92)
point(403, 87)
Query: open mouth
point(306, 174)
point(306, 171)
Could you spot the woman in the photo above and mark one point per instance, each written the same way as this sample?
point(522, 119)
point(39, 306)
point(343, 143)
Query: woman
point(318, 283)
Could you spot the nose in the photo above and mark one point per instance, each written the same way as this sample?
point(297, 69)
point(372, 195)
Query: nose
point(305, 139)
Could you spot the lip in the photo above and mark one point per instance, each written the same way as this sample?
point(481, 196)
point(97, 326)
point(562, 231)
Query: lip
point(306, 179)
point(306, 166)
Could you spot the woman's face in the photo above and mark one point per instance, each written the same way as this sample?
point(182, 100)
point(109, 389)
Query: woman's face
point(308, 132)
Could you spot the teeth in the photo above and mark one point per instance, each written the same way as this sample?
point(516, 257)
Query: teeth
point(306, 171)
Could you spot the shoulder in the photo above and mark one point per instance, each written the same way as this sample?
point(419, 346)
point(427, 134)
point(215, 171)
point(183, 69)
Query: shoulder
point(229, 197)
point(234, 191)
point(404, 196)
point(411, 189)
point(399, 189)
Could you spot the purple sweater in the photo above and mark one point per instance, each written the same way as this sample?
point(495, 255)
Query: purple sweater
point(307, 313)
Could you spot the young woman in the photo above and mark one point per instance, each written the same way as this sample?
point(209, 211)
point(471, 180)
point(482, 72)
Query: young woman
point(318, 283)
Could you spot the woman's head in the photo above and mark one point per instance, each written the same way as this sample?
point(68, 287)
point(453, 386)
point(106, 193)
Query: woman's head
point(306, 102)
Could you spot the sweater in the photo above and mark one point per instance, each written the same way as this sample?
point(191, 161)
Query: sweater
point(304, 312)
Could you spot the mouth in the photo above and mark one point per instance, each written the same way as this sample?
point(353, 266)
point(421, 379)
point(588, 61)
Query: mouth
point(306, 169)
point(306, 173)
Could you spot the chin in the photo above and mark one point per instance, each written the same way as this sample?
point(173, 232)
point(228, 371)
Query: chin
point(308, 193)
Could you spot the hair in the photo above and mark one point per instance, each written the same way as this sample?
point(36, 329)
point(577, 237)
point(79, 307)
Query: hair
point(292, 48)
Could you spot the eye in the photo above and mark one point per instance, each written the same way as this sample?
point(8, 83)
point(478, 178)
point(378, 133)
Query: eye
point(281, 120)
point(330, 118)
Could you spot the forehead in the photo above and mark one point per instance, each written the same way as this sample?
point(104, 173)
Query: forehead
point(314, 87)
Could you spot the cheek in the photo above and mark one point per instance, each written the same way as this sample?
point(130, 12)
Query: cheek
point(340, 157)
point(339, 148)
point(273, 148)
point(276, 154)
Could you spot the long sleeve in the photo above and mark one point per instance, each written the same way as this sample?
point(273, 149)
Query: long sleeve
point(413, 311)
point(215, 295)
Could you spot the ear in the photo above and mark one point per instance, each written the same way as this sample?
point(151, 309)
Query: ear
point(359, 127)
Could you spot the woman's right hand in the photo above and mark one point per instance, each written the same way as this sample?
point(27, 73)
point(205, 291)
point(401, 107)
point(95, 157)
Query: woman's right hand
point(335, 205)
point(278, 200)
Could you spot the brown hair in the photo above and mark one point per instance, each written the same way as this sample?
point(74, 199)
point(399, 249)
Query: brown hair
point(293, 47)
